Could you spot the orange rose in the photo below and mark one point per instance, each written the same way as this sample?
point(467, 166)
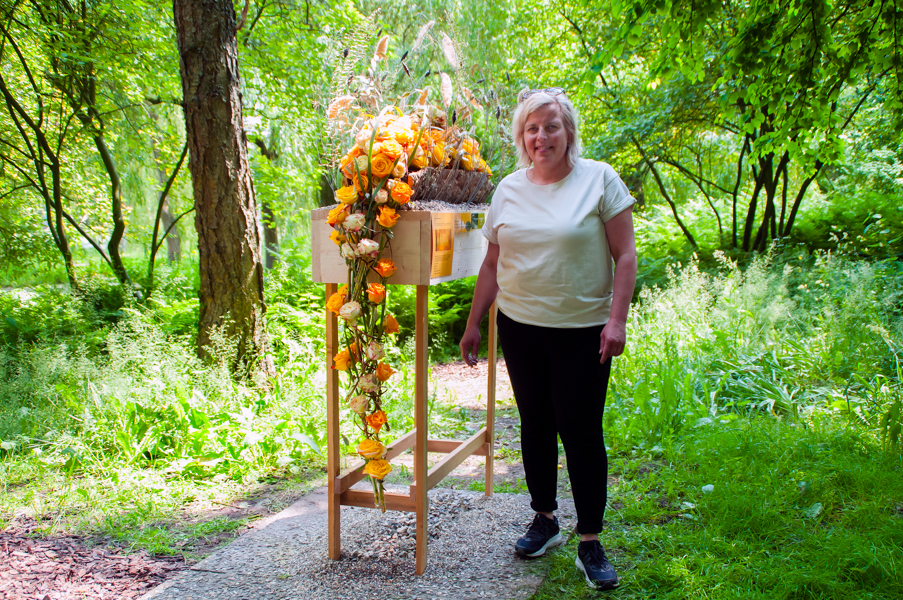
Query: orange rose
point(335, 302)
point(387, 217)
point(400, 192)
point(371, 449)
point(385, 267)
point(337, 214)
point(342, 360)
point(361, 183)
point(381, 165)
point(471, 146)
point(376, 292)
point(384, 371)
point(390, 325)
point(353, 350)
point(392, 149)
point(376, 420)
point(437, 135)
point(378, 468)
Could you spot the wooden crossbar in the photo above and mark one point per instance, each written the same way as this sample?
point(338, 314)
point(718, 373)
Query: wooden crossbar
point(365, 499)
point(454, 458)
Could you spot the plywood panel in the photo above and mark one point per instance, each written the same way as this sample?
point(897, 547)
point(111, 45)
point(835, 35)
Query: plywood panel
point(410, 250)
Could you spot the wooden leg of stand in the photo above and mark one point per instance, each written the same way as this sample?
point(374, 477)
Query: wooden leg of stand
point(333, 464)
point(421, 377)
point(490, 404)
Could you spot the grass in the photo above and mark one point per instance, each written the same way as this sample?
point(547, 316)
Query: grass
point(796, 510)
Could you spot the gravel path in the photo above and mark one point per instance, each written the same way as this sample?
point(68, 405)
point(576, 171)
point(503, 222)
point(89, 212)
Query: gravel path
point(470, 555)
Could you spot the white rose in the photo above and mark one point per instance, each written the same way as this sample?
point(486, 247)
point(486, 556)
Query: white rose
point(382, 196)
point(375, 351)
point(358, 404)
point(401, 167)
point(350, 311)
point(368, 383)
point(368, 247)
point(354, 221)
point(348, 251)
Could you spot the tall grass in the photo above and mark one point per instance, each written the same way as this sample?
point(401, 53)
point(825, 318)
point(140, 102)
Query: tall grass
point(782, 336)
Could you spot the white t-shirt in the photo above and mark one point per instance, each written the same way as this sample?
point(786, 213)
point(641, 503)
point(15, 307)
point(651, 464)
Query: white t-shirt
point(555, 267)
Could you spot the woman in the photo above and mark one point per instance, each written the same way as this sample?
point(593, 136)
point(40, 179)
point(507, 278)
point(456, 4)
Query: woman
point(555, 228)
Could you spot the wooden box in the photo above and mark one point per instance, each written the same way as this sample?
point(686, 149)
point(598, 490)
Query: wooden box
point(428, 247)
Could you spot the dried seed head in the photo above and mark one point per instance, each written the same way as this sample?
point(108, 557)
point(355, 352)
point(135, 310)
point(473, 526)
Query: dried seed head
point(445, 89)
point(422, 34)
point(381, 47)
point(448, 48)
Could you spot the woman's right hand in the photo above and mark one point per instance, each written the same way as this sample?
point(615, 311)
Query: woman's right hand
point(470, 345)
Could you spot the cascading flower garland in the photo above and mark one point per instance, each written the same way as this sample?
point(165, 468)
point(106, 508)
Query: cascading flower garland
point(386, 149)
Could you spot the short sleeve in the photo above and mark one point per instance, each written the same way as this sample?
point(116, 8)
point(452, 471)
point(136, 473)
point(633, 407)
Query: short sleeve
point(615, 195)
point(491, 226)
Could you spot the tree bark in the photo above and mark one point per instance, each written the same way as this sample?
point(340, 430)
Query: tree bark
point(229, 232)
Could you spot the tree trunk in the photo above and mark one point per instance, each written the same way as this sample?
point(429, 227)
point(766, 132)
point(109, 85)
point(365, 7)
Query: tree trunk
point(229, 232)
point(173, 240)
point(270, 232)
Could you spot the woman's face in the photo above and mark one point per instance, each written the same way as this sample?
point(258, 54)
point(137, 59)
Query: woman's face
point(545, 138)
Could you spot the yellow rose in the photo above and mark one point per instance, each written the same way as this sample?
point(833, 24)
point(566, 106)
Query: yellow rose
point(381, 165)
point(420, 159)
point(378, 468)
point(405, 136)
point(371, 449)
point(384, 371)
point(337, 214)
point(346, 194)
point(387, 217)
point(438, 155)
point(337, 237)
point(335, 302)
point(471, 146)
point(392, 149)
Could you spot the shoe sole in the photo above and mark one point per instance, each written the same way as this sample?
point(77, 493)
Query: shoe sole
point(555, 540)
point(599, 585)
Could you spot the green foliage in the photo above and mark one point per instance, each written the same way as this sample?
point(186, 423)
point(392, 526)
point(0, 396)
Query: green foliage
point(792, 512)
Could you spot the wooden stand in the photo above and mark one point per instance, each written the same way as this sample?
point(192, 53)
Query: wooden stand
point(409, 259)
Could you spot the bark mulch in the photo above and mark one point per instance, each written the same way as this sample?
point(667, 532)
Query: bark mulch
point(68, 568)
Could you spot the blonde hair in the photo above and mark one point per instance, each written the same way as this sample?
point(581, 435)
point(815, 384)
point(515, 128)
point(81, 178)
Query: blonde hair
point(569, 118)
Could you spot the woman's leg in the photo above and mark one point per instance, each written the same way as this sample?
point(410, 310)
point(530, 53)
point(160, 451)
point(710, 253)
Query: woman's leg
point(525, 349)
point(579, 385)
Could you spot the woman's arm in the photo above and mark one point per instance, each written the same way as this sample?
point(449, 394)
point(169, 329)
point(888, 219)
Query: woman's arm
point(619, 231)
point(484, 294)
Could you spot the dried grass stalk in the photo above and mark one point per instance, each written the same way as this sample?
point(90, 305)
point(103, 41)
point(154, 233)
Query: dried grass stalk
point(422, 34)
point(448, 48)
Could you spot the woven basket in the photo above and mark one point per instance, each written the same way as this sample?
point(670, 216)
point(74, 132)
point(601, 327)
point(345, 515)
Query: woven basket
point(454, 186)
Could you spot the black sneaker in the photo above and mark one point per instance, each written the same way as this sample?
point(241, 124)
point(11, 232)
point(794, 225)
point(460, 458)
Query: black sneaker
point(542, 535)
point(595, 566)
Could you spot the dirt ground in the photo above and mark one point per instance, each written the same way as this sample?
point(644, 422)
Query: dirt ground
point(67, 567)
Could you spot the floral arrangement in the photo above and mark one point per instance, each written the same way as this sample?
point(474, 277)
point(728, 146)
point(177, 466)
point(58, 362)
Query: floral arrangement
point(386, 148)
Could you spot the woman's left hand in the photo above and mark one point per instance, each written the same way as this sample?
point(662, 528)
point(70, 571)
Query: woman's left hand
point(613, 339)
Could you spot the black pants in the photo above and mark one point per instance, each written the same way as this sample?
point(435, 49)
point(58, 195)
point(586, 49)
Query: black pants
point(560, 389)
